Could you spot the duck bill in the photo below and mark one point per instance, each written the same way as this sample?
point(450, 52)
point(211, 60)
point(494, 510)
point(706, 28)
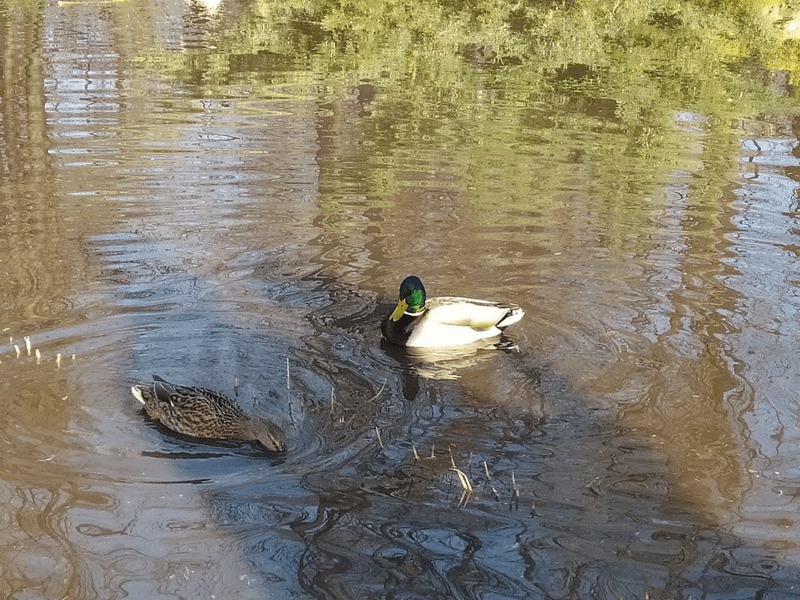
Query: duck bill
point(401, 308)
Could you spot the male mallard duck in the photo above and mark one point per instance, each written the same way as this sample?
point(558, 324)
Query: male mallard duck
point(445, 321)
point(204, 413)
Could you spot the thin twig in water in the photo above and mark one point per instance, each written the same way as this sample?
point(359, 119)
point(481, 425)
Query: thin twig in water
point(17, 349)
point(515, 496)
point(58, 360)
point(38, 356)
point(489, 481)
point(236, 386)
point(433, 450)
point(414, 448)
point(379, 391)
point(378, 432)
point(288, 395)
point(462, 477)
point(332, 399)
point(28, 344)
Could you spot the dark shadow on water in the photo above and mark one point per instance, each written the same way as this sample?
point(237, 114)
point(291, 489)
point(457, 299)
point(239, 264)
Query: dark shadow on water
point(369, 500)
point(564, 502)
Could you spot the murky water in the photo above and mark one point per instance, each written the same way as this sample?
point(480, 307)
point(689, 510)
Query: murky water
point(230, 196)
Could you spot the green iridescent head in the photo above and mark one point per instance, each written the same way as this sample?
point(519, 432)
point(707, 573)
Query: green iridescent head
point(412, 298)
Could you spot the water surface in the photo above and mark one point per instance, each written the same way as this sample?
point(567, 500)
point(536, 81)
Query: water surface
point(230, 196)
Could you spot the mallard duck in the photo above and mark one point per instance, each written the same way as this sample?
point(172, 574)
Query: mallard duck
point(203, 413)
point(446, 321)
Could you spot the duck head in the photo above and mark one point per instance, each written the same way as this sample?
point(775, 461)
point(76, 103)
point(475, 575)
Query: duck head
point(412, 298)
point(268, 433)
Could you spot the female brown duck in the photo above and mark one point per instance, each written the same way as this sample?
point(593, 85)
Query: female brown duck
point(207, 414)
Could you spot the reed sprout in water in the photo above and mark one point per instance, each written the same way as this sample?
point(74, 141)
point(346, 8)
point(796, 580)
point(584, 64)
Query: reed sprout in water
point(30, 350)
point(462, 477)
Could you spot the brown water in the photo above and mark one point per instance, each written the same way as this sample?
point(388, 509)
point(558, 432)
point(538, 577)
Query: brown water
point(234, 195)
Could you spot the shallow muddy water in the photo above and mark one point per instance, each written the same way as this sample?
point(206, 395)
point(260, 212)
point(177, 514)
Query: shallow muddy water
point(229, 196)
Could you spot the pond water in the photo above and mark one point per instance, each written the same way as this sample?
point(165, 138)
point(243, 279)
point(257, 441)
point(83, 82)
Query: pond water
point(229, 196)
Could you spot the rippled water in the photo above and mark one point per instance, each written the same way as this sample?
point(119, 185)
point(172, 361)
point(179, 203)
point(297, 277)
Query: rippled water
point(634, 437)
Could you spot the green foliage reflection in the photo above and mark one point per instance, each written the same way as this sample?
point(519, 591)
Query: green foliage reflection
point(639, 79)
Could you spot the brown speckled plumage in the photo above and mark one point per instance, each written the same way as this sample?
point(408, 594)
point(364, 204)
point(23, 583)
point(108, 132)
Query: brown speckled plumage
point(205, 413)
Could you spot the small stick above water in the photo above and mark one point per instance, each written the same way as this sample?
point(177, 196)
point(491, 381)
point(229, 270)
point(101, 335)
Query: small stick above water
point(288, 394)
point(514, 502)
point(462, 477)
point(379, 391)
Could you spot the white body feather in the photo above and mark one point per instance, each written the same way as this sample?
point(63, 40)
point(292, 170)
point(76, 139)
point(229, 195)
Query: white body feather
point(452, 321)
